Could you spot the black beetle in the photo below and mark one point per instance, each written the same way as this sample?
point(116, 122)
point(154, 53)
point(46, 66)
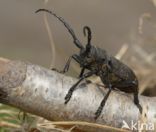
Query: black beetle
point(113, 73)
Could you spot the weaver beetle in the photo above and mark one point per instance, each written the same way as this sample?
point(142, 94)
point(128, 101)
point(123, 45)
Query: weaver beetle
point(113, 73)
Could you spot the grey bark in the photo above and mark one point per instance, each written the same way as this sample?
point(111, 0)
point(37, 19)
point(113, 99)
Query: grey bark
point(41, 91)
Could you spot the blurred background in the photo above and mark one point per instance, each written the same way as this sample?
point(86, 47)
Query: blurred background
point(23, 34)
point(125, 28)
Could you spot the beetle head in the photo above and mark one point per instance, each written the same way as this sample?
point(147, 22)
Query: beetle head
point(90, 53)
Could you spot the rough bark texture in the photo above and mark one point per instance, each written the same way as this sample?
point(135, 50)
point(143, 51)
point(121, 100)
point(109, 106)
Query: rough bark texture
point(40, 91)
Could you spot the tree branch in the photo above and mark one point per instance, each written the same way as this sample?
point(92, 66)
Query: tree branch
point(40, 91)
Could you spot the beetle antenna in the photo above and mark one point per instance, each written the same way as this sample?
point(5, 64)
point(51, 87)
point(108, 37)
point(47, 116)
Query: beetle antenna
point(76, 41)
point(86, 28)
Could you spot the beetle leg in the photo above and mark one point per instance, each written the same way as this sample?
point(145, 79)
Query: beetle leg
point(81, 73)
point(136, 100)
point(71, 90)
point(99, 110)
point(66, 67)
point(131, 88)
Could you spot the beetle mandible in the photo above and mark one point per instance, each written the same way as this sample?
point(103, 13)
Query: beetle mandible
point(113, 73)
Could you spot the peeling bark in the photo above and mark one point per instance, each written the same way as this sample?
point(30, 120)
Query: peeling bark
point(40, 91)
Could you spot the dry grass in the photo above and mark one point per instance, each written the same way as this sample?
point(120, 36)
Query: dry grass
point(50, 35)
